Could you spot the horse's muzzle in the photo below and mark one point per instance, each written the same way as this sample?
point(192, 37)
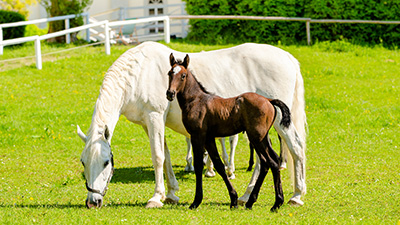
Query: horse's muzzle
point(170, 95)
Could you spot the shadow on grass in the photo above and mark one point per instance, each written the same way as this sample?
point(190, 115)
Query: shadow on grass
point(44, 206)
point(143, 174)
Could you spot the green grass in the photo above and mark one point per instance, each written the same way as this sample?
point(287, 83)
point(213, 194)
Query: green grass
point(353, 160)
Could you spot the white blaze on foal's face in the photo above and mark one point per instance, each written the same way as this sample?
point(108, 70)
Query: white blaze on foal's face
point(176, 70)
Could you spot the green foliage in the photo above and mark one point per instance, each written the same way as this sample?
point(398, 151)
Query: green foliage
point(10, 17)
point(232, 31)
point(60, 8)
point(32, 30)
point(352, 146)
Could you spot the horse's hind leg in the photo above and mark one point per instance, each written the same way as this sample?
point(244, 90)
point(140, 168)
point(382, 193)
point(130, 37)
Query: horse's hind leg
point(295, 145)
point(220, 168)
point(283, 153)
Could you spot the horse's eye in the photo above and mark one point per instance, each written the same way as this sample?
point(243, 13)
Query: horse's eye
point(106, 163)
point(183, 76)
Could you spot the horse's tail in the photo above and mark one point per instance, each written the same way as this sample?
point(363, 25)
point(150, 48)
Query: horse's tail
point(298, 104)
point(285, 121)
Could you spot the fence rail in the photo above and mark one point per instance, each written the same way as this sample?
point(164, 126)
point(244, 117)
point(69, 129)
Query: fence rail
point(45, 20)
point(308, 21)
point(166, 22)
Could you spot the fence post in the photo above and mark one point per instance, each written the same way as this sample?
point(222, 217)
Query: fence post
point(38, 53)
point(88, 30)
point(67, 36)
point(166, 30)
point(308, 32)
point(107, 38)
point(1, 39)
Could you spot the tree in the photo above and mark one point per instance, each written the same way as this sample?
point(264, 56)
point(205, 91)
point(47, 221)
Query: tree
point(65, 7)
point(17, 6)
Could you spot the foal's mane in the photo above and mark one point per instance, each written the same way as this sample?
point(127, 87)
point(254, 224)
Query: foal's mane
point(180, 62)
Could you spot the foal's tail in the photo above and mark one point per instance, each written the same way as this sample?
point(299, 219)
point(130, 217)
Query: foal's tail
point(285, 112)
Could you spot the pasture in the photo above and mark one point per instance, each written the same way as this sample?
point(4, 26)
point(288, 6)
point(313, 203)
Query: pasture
point(353, 161)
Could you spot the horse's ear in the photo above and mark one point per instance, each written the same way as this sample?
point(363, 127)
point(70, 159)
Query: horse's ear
point(186, 61)
point(81, 134)
point(107, 133)
point(172, 59)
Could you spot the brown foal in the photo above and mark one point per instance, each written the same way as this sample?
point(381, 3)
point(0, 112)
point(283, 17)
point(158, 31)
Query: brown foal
point(207, 116)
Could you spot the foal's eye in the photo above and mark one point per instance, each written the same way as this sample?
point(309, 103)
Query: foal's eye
point(183, 76)
point(106, 163)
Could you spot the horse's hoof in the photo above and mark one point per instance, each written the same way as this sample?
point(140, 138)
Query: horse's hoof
point(171, 201)
point(295, 202)
point(189, 169)
point(152, 204)
point(241, 202)
point(232, 176)
point(283, 166)
point(210, 173)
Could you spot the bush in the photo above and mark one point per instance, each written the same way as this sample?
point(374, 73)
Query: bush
point(10, 17)
point(236, 31)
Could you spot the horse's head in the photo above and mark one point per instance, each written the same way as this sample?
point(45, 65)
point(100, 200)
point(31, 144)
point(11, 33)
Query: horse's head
point(177, 76)
point(98, 163)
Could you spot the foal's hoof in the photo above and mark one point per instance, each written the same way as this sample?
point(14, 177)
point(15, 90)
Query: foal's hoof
point(152, 204)
point(274, 209)
point(232, 176)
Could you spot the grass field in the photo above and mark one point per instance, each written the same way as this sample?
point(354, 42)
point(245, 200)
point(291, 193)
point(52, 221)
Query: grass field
point(353, 160)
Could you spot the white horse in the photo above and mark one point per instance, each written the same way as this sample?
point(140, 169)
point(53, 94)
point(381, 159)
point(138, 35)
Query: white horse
point(135, 86)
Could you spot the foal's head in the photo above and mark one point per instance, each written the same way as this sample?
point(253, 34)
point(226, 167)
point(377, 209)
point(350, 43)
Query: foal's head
point(177, 76)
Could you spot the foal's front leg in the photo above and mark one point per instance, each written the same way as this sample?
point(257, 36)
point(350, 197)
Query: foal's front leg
point(220, 167)
point(198, 150)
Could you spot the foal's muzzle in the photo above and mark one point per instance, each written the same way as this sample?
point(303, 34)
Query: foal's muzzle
point(170, 95)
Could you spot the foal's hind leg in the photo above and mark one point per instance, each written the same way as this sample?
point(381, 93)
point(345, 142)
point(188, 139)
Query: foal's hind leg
point(268, 159)
point(220, 167)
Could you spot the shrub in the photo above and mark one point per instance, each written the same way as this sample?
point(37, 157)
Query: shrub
point(10, 17)
point(235, 31)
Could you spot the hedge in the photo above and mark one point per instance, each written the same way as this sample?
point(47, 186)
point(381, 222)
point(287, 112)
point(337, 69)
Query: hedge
point(10, 17)
point(236, 31)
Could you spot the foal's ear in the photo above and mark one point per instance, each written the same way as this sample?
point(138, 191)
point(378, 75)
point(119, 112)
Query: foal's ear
point(186, 61)
point(172, 59)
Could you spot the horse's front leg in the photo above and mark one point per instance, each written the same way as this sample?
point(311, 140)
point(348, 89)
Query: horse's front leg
point(198, 150)
point(233, 141)
point(189, 158)
point(155, 130)
point(219, 166)
point(172, 183)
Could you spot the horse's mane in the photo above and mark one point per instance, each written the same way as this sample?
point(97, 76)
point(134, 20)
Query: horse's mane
point(180, 62)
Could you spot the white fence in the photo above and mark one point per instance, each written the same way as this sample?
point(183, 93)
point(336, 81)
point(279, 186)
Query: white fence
point(45, 20)
point(106, 24)
point(166, 22)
